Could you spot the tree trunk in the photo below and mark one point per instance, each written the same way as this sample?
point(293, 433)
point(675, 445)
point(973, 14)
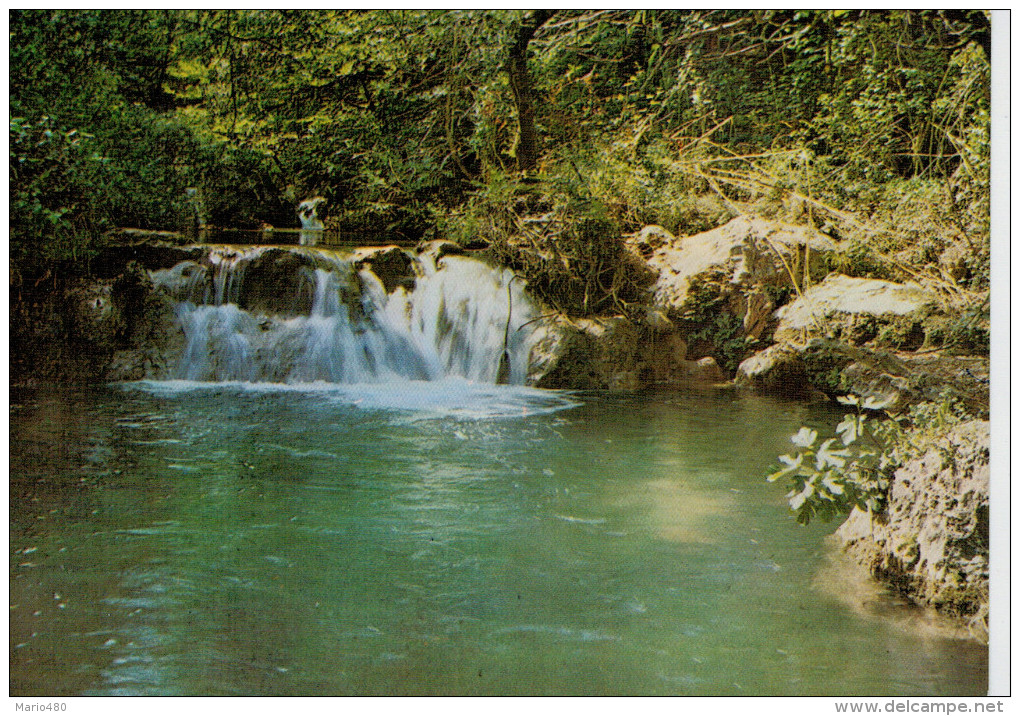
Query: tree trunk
point(520, 83)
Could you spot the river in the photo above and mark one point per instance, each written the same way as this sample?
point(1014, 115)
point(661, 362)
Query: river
point(448, 537)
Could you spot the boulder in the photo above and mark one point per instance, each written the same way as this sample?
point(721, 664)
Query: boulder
point(585, 354)
point(749, 253)
point(614, 353)
point(855, 335)
point(858, 310)
point(897, 380)
point(394, 266)
point(720, 287)
point(704, 371)
point(778, 370)
point(931, 541)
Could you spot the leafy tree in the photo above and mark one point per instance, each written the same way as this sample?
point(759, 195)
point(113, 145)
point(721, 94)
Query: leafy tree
point(400, 117)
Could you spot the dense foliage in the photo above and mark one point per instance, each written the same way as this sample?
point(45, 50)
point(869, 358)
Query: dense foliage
point(414, 123)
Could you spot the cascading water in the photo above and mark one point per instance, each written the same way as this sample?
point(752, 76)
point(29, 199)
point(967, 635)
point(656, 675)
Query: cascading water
point(295, 316)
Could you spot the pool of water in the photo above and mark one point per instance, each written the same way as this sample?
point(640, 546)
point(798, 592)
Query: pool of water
point(442, 538)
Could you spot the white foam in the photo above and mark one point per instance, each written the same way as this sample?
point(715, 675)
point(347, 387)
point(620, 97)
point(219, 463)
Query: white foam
point(445, 398)
point(462, 319)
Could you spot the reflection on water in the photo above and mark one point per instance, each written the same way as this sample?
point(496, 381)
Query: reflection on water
point(310, 541)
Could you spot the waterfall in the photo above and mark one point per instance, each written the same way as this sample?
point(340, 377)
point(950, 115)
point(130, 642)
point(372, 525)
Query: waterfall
point(302, 315)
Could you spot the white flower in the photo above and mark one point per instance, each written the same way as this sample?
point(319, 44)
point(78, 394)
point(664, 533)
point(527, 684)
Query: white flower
point(791, 461)
point(834, 487)
point(805, 437)
point(851, 428)
point(830, 458)
point(873, 403)
point(798, 499)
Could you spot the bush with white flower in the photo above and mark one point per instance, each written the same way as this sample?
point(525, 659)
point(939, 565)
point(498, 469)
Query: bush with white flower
point(849, 470)
point(855, 468)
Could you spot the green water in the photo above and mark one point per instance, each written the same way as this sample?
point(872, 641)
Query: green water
point(224, 540)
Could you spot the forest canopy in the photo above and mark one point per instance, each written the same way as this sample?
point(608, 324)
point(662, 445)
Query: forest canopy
point(420, 123)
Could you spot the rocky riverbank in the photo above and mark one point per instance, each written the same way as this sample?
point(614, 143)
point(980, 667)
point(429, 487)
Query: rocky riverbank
point(930, 543)
point(752, 304)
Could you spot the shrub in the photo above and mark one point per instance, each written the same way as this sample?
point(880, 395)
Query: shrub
point(855, 467)
point(54, 176)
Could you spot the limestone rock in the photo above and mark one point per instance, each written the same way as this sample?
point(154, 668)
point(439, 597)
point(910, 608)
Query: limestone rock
point(747, 252)
point(704, 371)
point(439, 248)
point(269, 279)
point(136, 237)
point(150, 250)
point(92, 314)
point(649, 240)
point(612, 354)
point(931, 541)
point(150, 362)
point(662, 360)
point(830, 367)
point(719, 287)
point(778, 370)
point(585, 354)
point(855, 309)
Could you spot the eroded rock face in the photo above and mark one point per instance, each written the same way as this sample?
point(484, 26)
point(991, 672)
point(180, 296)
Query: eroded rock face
point(709, 301)
point(720, 287)
point(931, 542)
point(91, 330)
point(749, 253)
point(91, 312)
point(393, 266)
point(614, 354)
point(152, 249)
point(897, 380)
point(147, 332)
point(857, 310)
point(855, 335)
point(584, 354)
point(280, 281)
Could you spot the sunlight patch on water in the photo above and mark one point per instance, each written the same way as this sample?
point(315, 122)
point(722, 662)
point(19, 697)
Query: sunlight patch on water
point(679, 512)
